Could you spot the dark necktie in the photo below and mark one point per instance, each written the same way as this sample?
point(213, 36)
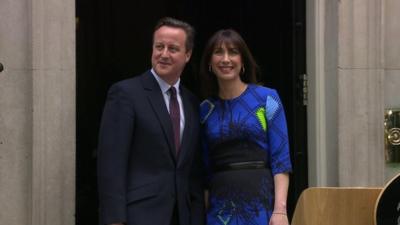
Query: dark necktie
point(174, 113)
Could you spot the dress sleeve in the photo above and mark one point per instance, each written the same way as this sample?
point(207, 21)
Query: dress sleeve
point(277, 135)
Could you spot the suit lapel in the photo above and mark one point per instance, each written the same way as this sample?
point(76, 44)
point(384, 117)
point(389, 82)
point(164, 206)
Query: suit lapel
point(187, 132)
point(157, 102)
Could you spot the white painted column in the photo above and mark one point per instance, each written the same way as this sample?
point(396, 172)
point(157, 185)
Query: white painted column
point(346, 73)
point(37, 112)
point(15, 113)
point(53, 54)
point(322, 45)
point(360, 93)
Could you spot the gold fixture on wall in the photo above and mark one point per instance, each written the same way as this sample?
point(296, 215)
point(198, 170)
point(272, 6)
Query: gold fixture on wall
point(392, 135)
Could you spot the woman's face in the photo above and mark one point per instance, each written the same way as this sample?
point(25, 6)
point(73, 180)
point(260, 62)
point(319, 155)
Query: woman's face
point(226, 62)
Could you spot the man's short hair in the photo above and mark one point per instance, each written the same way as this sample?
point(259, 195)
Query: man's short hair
point(172, 22)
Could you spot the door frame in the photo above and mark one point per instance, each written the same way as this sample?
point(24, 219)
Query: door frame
point(322, 45)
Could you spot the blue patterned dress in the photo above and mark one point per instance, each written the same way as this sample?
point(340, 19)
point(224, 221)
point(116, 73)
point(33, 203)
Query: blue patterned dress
point(248, 128)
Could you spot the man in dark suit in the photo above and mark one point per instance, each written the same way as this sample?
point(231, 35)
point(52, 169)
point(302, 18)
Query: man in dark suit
point(149, 160)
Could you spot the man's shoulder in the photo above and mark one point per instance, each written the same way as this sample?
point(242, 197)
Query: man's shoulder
point(130, 84)
point(127, 82)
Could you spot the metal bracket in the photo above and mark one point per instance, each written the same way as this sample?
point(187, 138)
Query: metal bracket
point(304, 80)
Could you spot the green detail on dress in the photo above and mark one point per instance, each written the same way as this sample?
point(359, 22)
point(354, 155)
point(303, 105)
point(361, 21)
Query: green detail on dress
point(261, 118)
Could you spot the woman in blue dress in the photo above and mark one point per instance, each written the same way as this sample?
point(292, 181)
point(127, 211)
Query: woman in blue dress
point(245, 139)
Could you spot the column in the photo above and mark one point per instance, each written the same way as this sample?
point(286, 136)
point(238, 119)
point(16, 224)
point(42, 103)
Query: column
point(37, 112)
point(53, 101)
point(360, 93)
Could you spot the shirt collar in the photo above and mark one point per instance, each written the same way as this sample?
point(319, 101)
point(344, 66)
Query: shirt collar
point(164, 85)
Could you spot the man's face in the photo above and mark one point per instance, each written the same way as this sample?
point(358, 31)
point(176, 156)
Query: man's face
point(169, 55)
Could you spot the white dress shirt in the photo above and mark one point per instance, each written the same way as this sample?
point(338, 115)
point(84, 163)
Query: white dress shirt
point(164, 86)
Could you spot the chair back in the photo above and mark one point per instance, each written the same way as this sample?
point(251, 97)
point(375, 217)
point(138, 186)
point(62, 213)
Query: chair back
point(336, 206)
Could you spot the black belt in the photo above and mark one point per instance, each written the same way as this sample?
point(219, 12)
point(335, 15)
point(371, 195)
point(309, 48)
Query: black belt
point(240, 166)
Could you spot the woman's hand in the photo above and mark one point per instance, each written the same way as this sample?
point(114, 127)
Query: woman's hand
point(279, 219)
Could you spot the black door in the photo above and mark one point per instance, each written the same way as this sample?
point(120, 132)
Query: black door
point(114, 43)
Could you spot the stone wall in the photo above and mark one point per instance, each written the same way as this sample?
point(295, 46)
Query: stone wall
point(391, 64)
point(37, 112)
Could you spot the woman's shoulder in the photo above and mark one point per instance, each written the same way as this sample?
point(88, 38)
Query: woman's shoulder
point(271, 99)
point(263, 90)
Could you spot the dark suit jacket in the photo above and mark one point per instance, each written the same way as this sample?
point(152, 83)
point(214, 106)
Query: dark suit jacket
point(140, 177)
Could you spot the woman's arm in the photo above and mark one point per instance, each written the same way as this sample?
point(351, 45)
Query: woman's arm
point(279, 215)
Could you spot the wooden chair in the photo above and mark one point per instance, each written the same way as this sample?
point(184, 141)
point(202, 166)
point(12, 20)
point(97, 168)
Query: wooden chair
point(336, 206)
